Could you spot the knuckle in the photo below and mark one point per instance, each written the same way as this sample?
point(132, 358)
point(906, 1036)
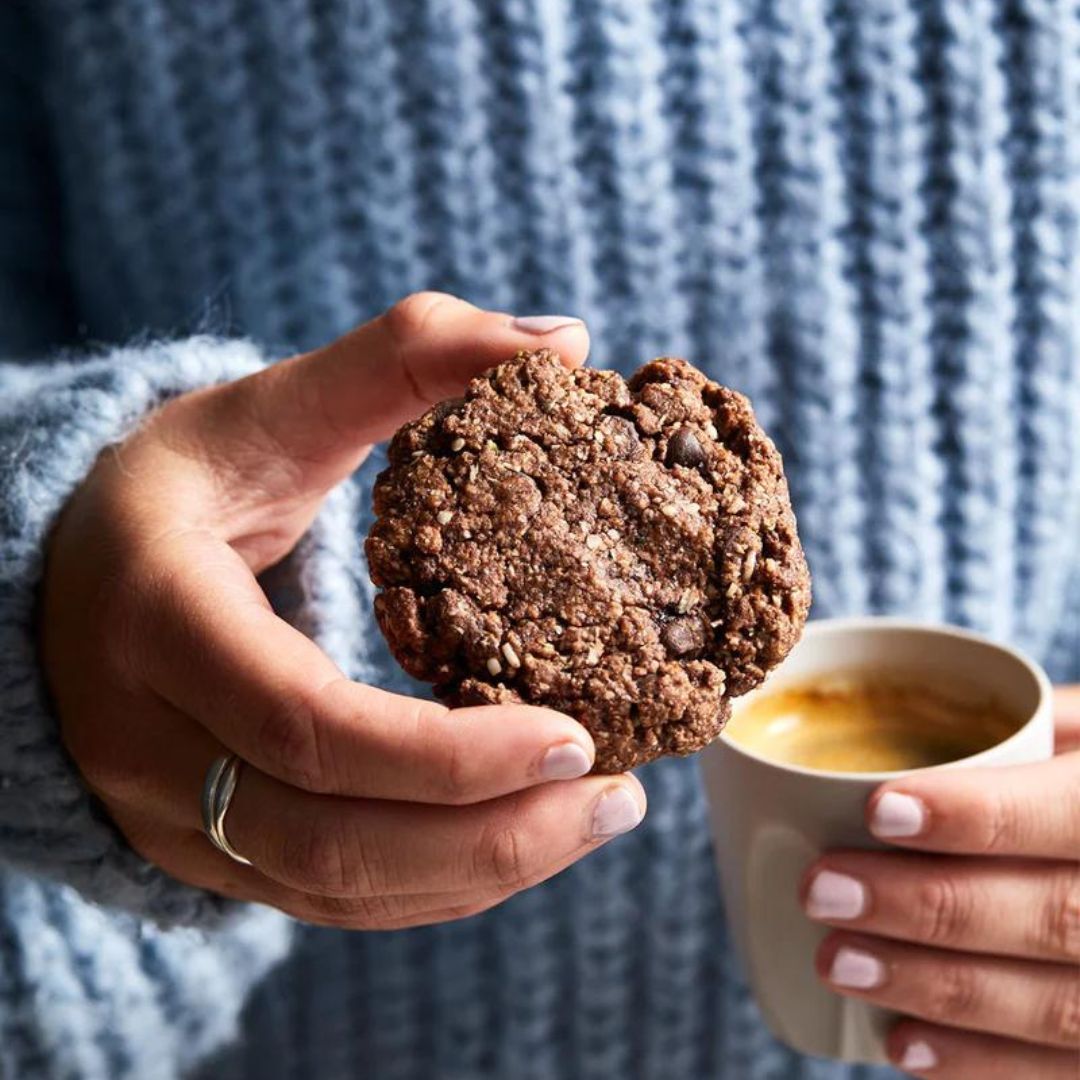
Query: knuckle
point(954, 993)
point(944, 911)
point(1002, 824)
point(406, 322)
point(288, 740)
point(502, 858)
point(408, 318)
point(1062, 1015)
point(445, 756)
point(320, 860)
point(1058, 932)
point(456, 780)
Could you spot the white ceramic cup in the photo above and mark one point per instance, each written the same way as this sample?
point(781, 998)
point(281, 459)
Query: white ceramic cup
point(770, 820)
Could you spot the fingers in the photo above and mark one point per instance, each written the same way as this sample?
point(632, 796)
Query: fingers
point(188, 856)
point(269, 694)
point(1026, 810)
point(377, 864)
point(1022, 999)
point(324, 407)
point(999, 906)
point(948, 1054)
point(331, 846)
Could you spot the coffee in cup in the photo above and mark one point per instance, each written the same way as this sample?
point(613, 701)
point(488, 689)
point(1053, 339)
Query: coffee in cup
point(866, 721)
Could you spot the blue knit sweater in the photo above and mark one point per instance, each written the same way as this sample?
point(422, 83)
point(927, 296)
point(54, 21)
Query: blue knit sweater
point(861, 212)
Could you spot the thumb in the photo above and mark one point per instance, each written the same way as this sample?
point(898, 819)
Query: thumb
point(325, 408)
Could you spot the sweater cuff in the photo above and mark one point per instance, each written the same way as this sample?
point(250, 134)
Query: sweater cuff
point(53, 424)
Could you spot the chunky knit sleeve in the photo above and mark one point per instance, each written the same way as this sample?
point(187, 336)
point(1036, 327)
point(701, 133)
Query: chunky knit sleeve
point(108, 967)
point(54, 420)
point(55, 417)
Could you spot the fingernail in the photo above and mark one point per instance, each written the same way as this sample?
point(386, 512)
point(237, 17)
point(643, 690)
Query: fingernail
point(567, 761)
point(856, 969)
point(918, 1055)
point(898, 815)
point(835, 896)
point(616, 812)
point(544, 324)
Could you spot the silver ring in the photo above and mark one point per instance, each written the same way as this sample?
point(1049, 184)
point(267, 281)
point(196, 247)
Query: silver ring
point(218, 790)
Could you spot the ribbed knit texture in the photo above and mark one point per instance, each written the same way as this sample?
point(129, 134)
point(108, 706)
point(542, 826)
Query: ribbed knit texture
point(862, 213)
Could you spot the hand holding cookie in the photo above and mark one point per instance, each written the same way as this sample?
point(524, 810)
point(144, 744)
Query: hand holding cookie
point(356, 807)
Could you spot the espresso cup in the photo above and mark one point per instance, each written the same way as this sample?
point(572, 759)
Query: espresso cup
point(770, 820)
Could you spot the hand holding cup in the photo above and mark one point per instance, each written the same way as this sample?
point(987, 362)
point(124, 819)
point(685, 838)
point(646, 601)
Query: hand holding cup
point(974, 932)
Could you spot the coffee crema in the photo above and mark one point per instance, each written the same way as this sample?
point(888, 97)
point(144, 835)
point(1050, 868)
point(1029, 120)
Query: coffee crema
point(862, 722)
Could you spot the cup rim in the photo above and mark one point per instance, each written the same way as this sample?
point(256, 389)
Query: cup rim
point(873, 623)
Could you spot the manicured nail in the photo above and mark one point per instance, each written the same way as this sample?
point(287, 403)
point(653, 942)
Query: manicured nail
point(835, 896)
point(616, 812)
point(567, 761)
point(898, 815)
point(918, 1055)
point(856, 969)
point(544, 324)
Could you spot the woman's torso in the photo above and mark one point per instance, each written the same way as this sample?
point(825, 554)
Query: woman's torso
point(860, 214)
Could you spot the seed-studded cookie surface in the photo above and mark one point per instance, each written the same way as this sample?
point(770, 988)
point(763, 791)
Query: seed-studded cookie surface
point(624, 552)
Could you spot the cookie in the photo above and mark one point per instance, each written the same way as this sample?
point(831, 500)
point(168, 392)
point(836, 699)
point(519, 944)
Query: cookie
point(624, 552)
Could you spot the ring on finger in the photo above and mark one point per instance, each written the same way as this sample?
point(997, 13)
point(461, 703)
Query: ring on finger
point(217, 794)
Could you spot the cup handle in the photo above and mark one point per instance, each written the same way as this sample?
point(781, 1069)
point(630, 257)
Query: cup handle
point(779, 953)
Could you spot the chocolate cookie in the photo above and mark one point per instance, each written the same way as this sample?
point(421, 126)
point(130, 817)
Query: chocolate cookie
point(623, 552)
